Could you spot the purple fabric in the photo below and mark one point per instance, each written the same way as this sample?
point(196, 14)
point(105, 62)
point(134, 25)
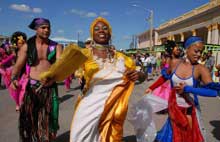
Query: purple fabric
point(38, 22)
point(32, 81)
point(52, 46)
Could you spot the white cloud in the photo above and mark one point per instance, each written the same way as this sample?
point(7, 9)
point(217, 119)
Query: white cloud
point(104, 13)
point(21, 7)
point(78, 12)
point(60, 31)
point(63, 39)
point(91, 14)
point(25, 8)
point(37, 10)
point(82, 13)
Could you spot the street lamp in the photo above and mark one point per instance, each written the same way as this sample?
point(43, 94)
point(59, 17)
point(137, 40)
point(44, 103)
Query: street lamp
point(150, 20)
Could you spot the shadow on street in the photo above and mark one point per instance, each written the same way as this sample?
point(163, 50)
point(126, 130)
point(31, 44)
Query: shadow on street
point(65, 97)
point(63, 137)
point(216, 125)
point(131, 138)
point(75, 88)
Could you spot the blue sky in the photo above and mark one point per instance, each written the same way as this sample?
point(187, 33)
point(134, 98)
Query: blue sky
point(70, 17)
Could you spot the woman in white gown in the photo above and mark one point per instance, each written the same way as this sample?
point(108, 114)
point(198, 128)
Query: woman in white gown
point(101, 110)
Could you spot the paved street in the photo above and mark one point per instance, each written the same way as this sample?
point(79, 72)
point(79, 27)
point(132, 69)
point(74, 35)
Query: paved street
point(8, 117)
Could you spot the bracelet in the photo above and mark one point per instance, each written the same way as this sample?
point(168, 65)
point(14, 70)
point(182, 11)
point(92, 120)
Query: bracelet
point(14, 77)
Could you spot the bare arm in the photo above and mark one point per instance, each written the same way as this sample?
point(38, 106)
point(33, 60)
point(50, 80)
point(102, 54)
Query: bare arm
point(205, 74)
point(59, 50)
point(21, 60)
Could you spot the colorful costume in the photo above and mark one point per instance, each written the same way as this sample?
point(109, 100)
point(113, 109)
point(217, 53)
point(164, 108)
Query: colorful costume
point(18, 94)
point(39, 112)
point(163, 90)
point(177, 127)
point(101, 111)
point(6, 68)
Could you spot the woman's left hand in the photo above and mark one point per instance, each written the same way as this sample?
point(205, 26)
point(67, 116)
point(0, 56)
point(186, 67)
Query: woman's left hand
point(132, 75)
point(180, 88)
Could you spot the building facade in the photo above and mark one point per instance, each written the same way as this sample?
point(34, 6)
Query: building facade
point(203, 21)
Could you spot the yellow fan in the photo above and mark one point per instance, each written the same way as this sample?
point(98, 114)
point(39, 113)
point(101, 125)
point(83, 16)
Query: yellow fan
point(70, 60)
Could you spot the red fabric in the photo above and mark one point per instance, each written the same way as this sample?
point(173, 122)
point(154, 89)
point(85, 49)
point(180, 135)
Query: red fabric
point(159, 82)
point(182, 132)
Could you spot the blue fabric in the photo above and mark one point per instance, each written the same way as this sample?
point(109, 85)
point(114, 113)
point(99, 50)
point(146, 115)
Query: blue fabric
point(191, 40)
point(212, 85)
point(200, 91)
point(165, 74)
point(195, 84)
point(165, 134)
point(149, 69)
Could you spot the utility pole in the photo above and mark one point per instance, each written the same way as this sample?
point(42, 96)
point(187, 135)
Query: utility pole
point(150, 20)
point(78, 35)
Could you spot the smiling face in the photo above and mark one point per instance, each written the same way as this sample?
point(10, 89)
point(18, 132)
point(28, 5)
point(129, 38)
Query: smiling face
point(101, 33)
point(194, 52)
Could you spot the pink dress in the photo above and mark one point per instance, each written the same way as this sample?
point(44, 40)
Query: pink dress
point(164, 90)
point(18, 94)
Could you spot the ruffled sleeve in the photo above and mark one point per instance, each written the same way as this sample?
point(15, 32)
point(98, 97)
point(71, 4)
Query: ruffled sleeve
point(165, 74)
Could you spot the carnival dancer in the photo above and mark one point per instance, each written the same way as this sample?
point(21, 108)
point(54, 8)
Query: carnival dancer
point(38, 120)
point(101, 110)
point(184, 122)
point(3, 56)
point(100, 114)
point(172, 55)
point(17, 40)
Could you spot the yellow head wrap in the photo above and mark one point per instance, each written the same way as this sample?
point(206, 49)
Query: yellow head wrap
point(99, 19)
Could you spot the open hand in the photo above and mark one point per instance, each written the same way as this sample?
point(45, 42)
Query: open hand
point(132, 75)
point(47, 82)
point(180, 87)
point(148, 91)
point(14, 84)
